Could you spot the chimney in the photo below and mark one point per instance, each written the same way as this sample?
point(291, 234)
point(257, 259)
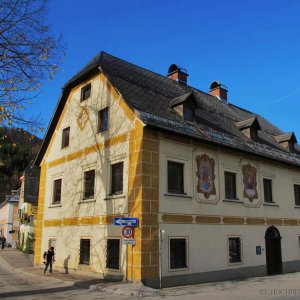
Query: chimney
point(178, 74)
point(219, 90)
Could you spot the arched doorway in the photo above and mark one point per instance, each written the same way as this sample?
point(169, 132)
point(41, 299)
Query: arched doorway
point(273, 251)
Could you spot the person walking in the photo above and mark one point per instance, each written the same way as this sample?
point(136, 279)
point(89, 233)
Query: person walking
point(3, 240)
point(49, 256)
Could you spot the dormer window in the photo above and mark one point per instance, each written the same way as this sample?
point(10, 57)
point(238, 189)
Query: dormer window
point(188, 113)
point(250, 128)
point(185, 106)
point(287, 140)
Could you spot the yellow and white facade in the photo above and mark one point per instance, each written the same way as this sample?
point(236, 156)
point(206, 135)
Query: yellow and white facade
point(201, 226)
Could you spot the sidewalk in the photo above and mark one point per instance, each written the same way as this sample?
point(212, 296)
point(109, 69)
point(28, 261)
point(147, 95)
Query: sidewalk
point(23, 263)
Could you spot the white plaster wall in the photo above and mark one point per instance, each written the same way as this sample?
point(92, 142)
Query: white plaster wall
point(100, 98)
point(68, 245)
point(208, 246)
point(72, 171)
point(283, 181)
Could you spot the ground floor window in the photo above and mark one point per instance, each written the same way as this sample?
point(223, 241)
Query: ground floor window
point(84, 251)
point(113, 254)
point(178, 253)
point(234, 249)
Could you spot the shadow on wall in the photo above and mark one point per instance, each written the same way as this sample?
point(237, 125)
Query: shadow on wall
point(66, 264)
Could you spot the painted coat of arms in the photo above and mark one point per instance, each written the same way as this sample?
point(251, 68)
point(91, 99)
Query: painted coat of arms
point(249, 180)
point(205, 175)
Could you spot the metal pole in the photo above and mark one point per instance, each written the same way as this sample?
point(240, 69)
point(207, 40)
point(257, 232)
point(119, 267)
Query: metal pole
point(160, 257)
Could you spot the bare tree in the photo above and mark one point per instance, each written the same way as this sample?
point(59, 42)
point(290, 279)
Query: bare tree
point(29, 54)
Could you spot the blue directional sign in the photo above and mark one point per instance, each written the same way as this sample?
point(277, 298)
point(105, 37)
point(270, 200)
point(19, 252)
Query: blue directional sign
point(126, 222)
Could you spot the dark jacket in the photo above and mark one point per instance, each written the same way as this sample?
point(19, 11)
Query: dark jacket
point(50, 255)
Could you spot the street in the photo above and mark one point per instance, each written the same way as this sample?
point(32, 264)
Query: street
point(18, 285)
point(19, 280)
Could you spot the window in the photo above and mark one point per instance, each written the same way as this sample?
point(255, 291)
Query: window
point(103, 120)
point(234, 250)
point(230, 185)
point(188, 113)
point(175, 177)
point(52, 243)
point(89, 184)
point(56, 191)
point(113, 254)
point(65, 137)
point(297, 194)
point(85, 92)
point(178, 253)
point(117, 178)
point(84, 251)
point(268, 198)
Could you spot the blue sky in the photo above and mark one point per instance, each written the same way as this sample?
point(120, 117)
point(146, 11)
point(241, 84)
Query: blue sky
point(251, 46)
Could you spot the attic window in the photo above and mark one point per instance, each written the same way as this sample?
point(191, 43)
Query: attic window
point(85, 92)
point(185, 106)
point(250, 128)
point(188, 113)
point(287, 140)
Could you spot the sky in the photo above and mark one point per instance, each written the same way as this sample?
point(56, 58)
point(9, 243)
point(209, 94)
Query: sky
point(250, 46)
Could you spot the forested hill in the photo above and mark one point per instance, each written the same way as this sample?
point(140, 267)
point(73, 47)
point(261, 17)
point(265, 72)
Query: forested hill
point(17, 149)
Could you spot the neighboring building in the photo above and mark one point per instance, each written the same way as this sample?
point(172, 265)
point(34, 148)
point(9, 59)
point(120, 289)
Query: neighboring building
point(216, 188)
point(28, 208)
point(9, 219)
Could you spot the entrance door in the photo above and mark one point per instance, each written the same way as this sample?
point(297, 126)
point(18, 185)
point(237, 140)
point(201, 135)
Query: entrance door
point(273, 251)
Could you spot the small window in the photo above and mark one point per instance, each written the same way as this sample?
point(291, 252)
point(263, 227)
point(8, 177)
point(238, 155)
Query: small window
point(89, 184)
point(65, 137)
point(230, 185)
point(297, 194)
point(188, 113)
point(113, 254)
point(103, 120)
point(175, 177)
point(117, 178)
point(56, 191)
point(52, 243)
point(178, 253)
point(235, 250)
point(268, 198)
point(84, 251)
point(85, 92)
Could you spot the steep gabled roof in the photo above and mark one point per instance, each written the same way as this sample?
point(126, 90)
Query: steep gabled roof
point(151, 96)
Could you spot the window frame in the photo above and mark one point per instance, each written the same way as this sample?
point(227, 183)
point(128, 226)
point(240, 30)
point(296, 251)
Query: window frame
point(296, 193)
point(186, 266)
point(241, 249)
point(53, 202)
point(178, 191)
point(84, 194)
point(189, 108)
point(65, 137)
point(112, 185)
point(83, 90)
point(81, 254)
point(109, 266)
point(100, 125)
point(228, 197)
point(266, 192)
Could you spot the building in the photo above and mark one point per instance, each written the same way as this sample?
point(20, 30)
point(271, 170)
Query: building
point(28, 208)
point(215, 188)
point(9, 220)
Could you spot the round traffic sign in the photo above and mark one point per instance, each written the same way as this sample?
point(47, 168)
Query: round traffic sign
point(128, 232)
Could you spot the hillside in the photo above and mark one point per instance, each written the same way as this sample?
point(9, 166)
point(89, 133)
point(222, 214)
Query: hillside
point(17, 149)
